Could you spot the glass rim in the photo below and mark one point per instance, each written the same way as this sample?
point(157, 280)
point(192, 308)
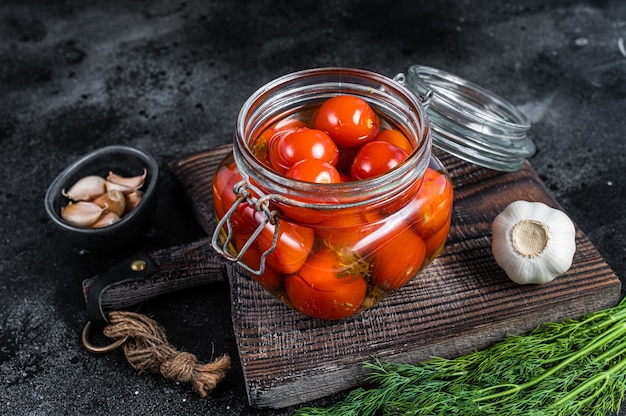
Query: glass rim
point(471, 122)
point(310, 84)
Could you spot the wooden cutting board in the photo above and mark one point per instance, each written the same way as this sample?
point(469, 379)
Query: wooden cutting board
point(462, 302)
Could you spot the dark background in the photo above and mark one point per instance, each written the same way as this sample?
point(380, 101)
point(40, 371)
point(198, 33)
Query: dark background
point(170, 77)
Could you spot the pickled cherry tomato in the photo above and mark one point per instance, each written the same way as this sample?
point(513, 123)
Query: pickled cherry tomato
point(223, 181)
point(397, 259)
point(288, 123)
point(293, 245)
point(260, 147)
point(345, 177)
point(348, 120)
point(376, 158)
point(289, 147)
point(292, 248)
point(435, 243)
point(395, 137)
point(314, 171)
point(345, 160)
point(270, 279)
point(432, 207)
point(323, 288)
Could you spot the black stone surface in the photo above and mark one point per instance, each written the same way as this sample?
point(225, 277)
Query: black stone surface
point(170, 77)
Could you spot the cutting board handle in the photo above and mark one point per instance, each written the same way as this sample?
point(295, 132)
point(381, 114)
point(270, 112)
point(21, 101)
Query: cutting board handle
point(171, 269)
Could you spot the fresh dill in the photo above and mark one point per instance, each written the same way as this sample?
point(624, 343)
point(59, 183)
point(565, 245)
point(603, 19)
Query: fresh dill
point(569, 368)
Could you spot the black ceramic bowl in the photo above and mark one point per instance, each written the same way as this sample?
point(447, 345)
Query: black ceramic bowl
point(125, 161)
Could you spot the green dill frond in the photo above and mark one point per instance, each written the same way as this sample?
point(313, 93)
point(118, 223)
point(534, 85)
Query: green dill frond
point(569, 368)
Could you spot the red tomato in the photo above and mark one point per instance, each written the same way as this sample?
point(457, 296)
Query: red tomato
point(345, 160)
point(397, 259)
point(399, 201)
point(345, 178)
point(314, 170)
point(348, 119)
point(292, 248)
point(376, 158)
point(432, 207)
point(223, 181)
point(243, 222)
point(270, 279)
point(435, 243)
point(351, 217)
point(260, 148)
point(292, 146)
point(288, 123)
point(395, 137)
point(345, 230)
point(324, 289)
point(307, 215)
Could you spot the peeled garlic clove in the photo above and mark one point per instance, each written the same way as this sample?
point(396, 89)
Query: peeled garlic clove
point(133, 199)
point(106, 219)
point(112, 201)
point(532, 242)
point(86, 188)
point(132, 182)
point(81, 214)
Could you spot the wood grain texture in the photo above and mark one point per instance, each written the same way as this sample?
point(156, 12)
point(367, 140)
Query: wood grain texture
point(179, 267)
point(463, 301)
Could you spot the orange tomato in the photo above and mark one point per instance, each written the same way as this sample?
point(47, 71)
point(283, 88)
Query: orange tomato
point(394, 136)
point(324, 289)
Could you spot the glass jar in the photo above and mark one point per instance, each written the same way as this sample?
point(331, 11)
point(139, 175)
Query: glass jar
point(330, 250)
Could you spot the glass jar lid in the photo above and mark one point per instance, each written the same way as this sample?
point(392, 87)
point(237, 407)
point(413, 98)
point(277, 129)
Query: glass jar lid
point(470, 122)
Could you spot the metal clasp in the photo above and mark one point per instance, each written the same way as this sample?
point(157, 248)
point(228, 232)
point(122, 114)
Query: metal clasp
point(222, 236)
point(421, 89)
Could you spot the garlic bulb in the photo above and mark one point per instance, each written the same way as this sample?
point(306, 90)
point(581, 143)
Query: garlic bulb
point(533, 242)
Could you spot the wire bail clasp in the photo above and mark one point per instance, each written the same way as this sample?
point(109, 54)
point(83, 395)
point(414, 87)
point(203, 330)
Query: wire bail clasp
point(223, 234)
point(422, 91)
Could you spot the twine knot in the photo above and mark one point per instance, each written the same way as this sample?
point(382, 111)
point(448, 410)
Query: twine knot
point(147, 349)
point(179, 367)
